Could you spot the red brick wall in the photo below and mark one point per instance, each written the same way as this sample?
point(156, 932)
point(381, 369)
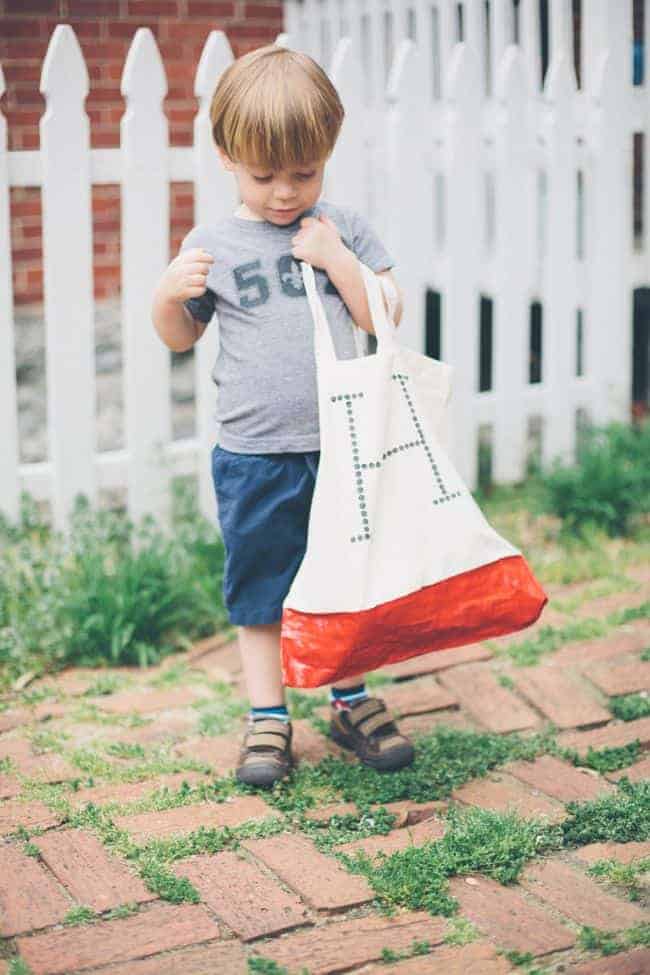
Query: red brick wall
point(105, 29)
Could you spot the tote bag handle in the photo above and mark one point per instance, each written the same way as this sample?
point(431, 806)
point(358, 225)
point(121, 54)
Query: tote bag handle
point(323, 344)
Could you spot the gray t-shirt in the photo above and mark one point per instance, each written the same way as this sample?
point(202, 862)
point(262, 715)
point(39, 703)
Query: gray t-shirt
point(265, 371)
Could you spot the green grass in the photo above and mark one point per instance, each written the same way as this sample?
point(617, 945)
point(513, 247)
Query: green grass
point(497, 845)
point(629, 707)
point(108, 590)
point(519, 957)
point(220, 713)
point(80, 914)
point(258, 965)
point(461, 931)
point(604, 759)
point(476, 840)
point(445, 758)
point(621, 817)
point(623, 875)
point(609, 944)
point(18, 967)
point(609, 486)
point(529, 651)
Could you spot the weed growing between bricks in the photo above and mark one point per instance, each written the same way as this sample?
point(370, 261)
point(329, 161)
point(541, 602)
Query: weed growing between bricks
point(521, 958)
point(629, 707)
point(18, 967)
point(461, 931)
point(476, 841)
point(622, 817)
point(528, 652)
point(219, 714)
point(623, 875)
point(444, 759)
point(152, 859)
point(609, 944)
point(497, 845)
point(604, 759)
point(257, 965)
point(87, 760)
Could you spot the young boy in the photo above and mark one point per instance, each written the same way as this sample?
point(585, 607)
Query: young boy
point(275, 120)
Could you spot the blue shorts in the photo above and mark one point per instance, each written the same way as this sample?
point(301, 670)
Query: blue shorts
point(263, 502)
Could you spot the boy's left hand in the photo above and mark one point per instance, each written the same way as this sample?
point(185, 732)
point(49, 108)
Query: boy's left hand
point(318, 241)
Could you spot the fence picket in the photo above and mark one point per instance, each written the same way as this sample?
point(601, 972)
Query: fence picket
point(9, 482)
point(68, 273)
point(514, 267)
point(215, 196)
point(145, 254)
point(559, 281)
point(463, 173)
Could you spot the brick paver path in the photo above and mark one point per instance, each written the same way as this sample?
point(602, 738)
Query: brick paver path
point(275, 896)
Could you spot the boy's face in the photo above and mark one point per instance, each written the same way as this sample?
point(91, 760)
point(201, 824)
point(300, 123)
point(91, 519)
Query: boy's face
point(279, 196)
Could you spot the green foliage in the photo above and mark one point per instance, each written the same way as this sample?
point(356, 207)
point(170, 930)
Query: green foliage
point(160, 879)
point(107, 590)
point(625, 875)
point(605, 759)
point(257, 965)
point(219, 713)
point(519, 957)
point(622, 817)
point(476, 840)
point(609, 944)
point(444, 759)
point(18, 967)
point(630, 706)
point(609, 486)
point(461, 931)
point(79, 915)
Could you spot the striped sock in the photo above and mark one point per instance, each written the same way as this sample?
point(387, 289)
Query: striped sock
point(278, 711)
point(347, 696)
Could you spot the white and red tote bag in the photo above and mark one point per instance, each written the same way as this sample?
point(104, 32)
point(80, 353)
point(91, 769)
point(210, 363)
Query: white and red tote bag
point(400, 560)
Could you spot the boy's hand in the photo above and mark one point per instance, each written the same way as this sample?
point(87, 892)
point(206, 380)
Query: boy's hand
point(318, 241)
point(186, 277)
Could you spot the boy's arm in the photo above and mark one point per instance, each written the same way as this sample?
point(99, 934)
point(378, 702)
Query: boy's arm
point(174, 324)
point(182, 304)
point(345, 274)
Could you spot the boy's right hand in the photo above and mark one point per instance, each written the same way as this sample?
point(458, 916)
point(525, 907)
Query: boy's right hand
point(186, 277)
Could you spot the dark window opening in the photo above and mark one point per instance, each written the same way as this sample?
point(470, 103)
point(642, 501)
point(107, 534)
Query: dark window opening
point(535, 346)
point(485, 345)
point(432, 324)
point(580, 343)
point(638, 152)
point(641, 354)
point(638, 51)
point(543, 39)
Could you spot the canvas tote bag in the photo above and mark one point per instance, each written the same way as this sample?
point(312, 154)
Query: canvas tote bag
point(400, 560)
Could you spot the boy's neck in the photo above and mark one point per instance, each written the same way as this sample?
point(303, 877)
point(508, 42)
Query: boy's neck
point(243, 211)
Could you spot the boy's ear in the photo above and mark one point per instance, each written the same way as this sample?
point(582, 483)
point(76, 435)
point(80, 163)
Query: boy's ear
point(226, 161)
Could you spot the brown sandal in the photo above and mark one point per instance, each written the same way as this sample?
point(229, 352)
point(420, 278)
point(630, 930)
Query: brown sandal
point(265, 755)
point(369, 730)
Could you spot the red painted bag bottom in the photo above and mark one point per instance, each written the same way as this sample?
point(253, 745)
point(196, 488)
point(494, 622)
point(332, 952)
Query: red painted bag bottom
point(495, 599)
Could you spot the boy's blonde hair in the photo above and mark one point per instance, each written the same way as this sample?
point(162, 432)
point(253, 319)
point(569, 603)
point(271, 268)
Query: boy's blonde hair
point(275, 108)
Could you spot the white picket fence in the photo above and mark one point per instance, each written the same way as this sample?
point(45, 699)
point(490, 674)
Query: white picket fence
point(473, 191)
